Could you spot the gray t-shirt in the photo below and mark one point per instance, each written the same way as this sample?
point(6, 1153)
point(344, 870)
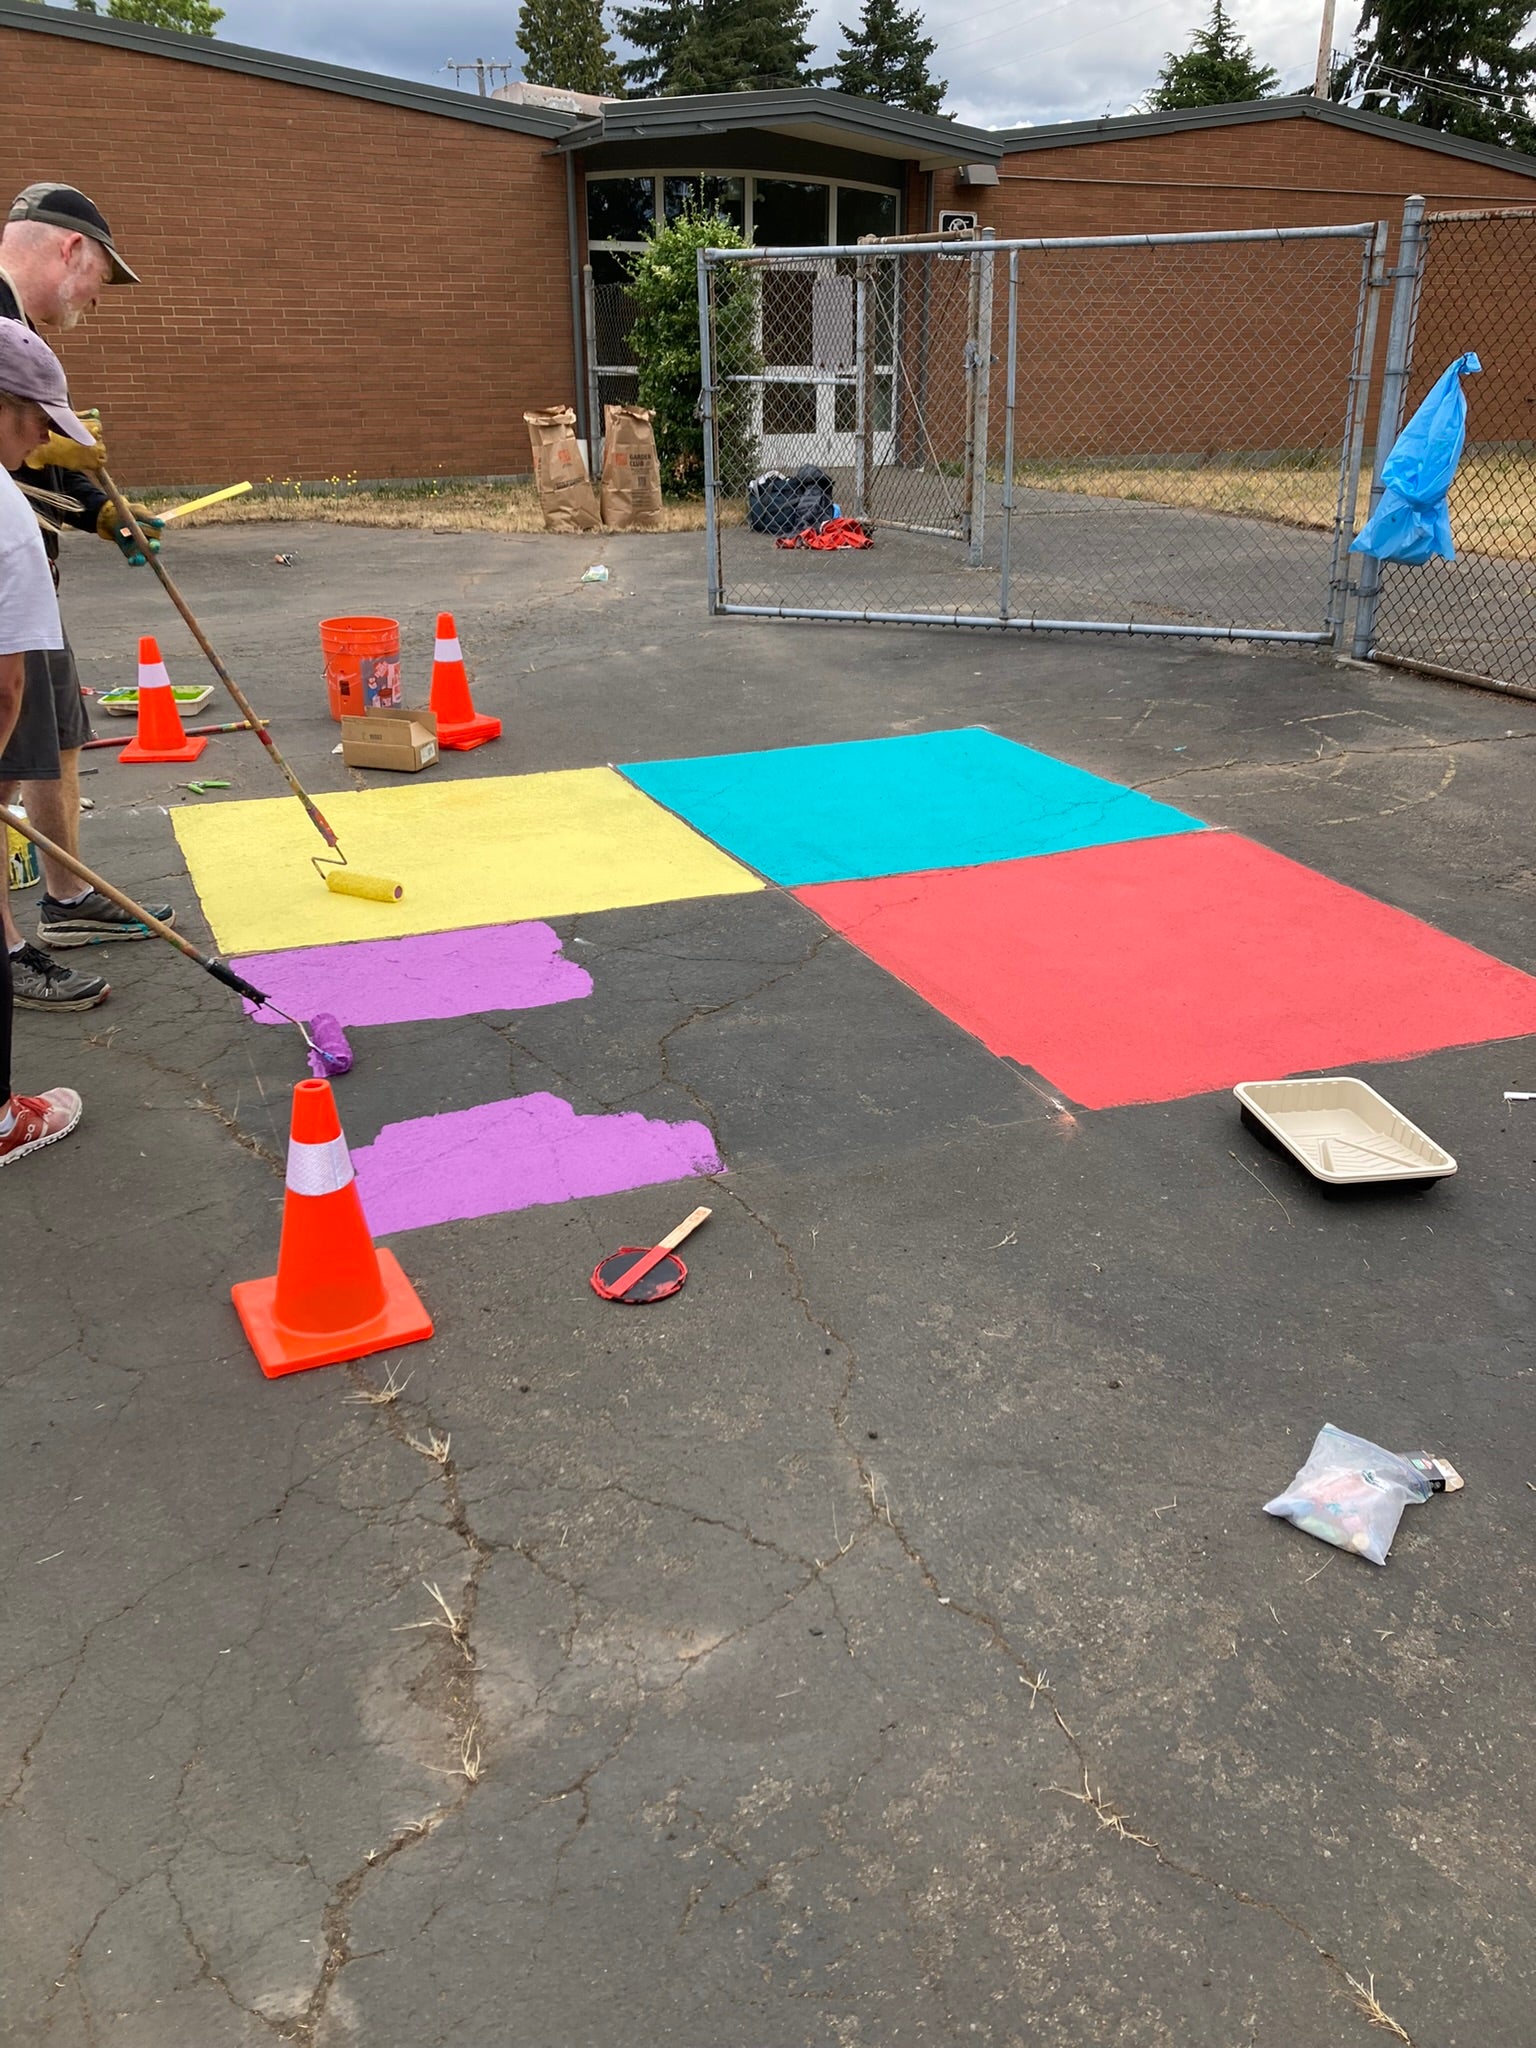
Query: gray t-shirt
point(29, 610)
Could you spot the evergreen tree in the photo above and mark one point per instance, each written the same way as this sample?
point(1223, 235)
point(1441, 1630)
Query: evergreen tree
point(192, 17)
point(1216, 69)
point(886, 58)
point(1453, 65)
point(656, 29)
point(564, 43)
point(717, 45)
point(745, 46)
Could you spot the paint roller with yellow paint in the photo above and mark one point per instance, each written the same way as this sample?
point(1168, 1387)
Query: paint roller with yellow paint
point(334, 872)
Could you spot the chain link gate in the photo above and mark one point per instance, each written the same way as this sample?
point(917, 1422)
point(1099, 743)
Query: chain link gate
point(1466, 280)
point(1149, 434)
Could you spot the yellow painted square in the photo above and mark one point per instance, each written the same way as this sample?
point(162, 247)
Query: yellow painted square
point(492, 850)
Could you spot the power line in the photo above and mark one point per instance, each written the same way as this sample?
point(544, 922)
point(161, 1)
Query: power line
point(1012, 26)
point(1461, 90)
point(1103, 28)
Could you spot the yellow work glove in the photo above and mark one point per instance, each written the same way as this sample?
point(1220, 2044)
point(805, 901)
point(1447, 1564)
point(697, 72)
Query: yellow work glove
point(110, 527)
point(59, 452)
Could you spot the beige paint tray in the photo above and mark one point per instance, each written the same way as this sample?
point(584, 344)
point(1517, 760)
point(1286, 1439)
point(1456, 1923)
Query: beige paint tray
point(1342, 1131)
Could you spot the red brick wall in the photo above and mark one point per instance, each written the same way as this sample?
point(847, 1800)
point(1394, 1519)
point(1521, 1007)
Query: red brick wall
point(1261, 174)
point(1240, 350)
point(331, 286)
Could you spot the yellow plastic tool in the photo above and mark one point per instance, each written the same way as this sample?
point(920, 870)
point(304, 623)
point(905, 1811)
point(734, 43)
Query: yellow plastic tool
point(333, 872)
point(202, 504)
point(345, 881)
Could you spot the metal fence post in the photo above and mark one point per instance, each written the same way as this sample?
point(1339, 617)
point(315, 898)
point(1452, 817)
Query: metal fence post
point(1011, 392)
point(594, 395)
point(863, 450)
point(981, 344)
point(707, 418)
point(1373, 264)
point(1407, 277)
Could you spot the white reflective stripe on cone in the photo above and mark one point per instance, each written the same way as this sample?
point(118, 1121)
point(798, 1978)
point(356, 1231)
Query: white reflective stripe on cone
point(447, 650)
point(155, 678)
point(318, 1169)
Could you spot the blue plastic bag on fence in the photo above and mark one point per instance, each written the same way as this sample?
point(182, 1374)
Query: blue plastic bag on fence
point(1413, 520)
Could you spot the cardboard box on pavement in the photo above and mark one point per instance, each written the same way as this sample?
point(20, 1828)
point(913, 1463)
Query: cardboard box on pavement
point(405, 740)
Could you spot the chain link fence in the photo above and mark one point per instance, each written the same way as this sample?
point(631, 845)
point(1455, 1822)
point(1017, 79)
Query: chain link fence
point(613, 375)
point(1469, 282)
point(1156, 434)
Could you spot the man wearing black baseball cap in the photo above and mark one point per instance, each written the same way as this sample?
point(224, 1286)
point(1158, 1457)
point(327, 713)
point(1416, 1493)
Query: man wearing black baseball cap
point(61, 206)
point(56, 257)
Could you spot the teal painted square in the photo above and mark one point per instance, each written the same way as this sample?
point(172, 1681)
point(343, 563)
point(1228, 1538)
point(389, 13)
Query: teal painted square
point(865, 808)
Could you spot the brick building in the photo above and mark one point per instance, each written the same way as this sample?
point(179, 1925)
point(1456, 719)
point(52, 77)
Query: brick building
point(354, 275)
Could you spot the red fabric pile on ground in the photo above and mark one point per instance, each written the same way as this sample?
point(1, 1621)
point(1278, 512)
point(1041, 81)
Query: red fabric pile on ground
point(832, 533)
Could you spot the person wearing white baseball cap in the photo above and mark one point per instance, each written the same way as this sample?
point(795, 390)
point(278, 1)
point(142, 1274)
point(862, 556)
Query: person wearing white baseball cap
point(30, 373)
point(34, 401)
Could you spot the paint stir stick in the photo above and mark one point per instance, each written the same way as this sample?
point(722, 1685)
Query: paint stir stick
point(627, 1274)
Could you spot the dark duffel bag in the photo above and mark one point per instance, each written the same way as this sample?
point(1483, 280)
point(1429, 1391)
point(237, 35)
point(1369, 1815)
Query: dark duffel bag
point(779, 504)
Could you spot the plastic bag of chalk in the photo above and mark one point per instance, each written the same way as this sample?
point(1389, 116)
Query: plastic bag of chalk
point(1352, 1493)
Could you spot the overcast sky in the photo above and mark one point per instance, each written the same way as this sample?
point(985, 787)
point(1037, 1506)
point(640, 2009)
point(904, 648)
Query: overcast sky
point(1007, 61)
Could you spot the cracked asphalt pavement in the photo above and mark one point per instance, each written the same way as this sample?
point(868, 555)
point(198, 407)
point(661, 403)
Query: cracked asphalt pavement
point(881, 1642)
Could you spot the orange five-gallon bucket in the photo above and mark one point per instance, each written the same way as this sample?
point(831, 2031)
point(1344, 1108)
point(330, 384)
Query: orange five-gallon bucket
point(362, 664)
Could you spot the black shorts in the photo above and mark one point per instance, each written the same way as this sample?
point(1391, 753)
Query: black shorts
point(53, 717)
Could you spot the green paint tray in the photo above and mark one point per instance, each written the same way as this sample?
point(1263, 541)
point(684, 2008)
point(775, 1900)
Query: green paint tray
point(190, 699)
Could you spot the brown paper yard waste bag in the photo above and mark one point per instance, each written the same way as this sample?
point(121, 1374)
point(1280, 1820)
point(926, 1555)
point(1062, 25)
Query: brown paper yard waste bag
point(631, 474)
point(566, 495)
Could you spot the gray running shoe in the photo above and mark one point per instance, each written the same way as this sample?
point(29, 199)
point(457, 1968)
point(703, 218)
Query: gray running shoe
point(93, 921)
point(43, 983)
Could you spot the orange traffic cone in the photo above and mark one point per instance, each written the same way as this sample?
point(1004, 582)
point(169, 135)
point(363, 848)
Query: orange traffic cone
point(459, 725)
point(159, 737)
point(334, 1295)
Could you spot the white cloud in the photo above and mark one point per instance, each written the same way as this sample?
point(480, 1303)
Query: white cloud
point(1007, 61)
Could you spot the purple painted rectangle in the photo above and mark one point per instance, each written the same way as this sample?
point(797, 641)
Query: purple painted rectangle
point(518, 1154)
point(429, 974)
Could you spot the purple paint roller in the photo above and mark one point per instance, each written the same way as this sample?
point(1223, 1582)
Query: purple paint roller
point(329, 1052)
point(326, 1043)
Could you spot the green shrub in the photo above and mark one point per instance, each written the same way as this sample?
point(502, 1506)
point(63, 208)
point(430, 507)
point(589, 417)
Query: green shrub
point(665, 336)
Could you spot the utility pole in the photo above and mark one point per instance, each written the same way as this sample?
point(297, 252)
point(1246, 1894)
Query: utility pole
point(483, 68)
point(1324, 53)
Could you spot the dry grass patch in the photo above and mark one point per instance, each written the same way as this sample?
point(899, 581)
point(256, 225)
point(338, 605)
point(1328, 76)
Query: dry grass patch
point(461, 507)
point(1493, 500)
point(454, 1624)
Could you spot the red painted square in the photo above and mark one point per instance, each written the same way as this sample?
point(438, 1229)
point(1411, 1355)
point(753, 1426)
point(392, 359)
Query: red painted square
point(1166, 967)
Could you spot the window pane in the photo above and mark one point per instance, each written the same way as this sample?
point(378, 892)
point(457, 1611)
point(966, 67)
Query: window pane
point(707, 195)
point(788, 215)
point(865, 213)
point(789, 408)
point(609, 267)
point(845, 407)
point(788, 298)
point(620, 209)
